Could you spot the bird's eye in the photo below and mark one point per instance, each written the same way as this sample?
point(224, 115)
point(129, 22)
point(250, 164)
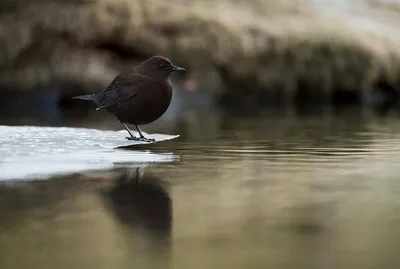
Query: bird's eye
point(162, 65)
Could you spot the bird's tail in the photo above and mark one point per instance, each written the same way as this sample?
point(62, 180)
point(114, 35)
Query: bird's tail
point(89, 97)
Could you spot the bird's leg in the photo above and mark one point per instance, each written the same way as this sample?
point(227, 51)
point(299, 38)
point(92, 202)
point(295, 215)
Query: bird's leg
point(142, 137)
point(133, 175)
point(132, 136)
point(139, 175)
point(139, 131)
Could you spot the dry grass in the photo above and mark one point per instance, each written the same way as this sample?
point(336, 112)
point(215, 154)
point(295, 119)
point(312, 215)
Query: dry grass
point(257, 46)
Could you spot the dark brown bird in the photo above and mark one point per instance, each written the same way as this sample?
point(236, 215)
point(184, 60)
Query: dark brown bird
point(139, 96)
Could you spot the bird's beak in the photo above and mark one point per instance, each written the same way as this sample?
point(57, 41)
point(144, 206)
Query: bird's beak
point(177, 68)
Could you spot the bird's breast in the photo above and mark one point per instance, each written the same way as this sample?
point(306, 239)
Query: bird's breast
point(148, 105)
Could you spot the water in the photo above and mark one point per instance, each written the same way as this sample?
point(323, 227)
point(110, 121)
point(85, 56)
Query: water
point(263, 190)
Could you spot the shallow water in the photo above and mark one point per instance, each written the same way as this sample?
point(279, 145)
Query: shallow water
point(265, 190)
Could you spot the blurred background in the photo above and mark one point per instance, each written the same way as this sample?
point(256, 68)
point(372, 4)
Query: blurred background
point(289, 135)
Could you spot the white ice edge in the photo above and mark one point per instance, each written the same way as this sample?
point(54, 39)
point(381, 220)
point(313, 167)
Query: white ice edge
point(43, 167)
point(28, 152)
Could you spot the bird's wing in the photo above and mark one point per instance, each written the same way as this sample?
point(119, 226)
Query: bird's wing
point(123, 88)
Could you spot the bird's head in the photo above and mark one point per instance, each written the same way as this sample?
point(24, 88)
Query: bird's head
point(158, 66)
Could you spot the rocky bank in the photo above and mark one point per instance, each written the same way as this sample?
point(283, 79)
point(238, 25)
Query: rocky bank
point(291, 49)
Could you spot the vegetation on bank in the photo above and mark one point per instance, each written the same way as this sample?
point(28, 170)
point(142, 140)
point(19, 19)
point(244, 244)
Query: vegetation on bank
point(279, 47)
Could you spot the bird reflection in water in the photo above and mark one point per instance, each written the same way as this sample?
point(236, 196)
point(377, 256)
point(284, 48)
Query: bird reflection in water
point(141, 203)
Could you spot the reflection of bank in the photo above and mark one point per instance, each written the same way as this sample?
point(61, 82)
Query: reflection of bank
point(142, 204)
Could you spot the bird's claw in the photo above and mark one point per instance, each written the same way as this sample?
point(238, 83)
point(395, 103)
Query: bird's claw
point(148, 140)
point(144, 139)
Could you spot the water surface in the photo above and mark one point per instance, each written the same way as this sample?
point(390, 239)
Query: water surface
point(266, 190)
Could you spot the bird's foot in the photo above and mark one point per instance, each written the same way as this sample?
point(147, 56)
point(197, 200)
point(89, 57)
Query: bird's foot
point(148, 140)
point(134, 138)
point(144, 139)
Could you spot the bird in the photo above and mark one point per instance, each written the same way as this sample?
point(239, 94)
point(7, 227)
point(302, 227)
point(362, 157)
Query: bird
point(138, 96)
